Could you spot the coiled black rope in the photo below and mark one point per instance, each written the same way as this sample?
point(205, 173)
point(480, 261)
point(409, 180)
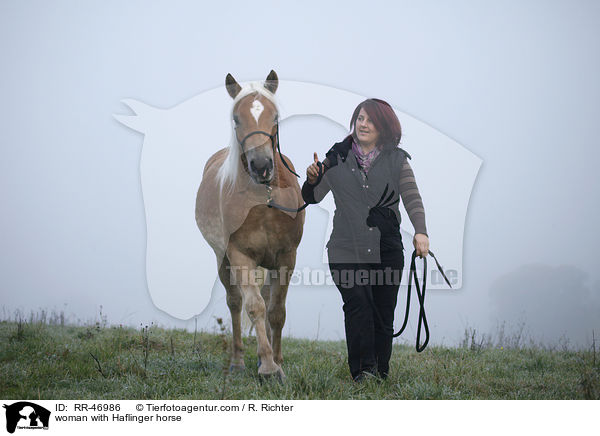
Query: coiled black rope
point(422, 322)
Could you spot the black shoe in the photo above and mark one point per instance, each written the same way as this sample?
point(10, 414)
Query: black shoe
point(359, 378)
point(366, 374)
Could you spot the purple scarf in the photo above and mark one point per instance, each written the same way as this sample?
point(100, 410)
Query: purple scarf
point(365, 159)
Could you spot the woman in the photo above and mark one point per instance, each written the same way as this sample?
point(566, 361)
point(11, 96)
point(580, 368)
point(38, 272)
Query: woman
point(368, 173)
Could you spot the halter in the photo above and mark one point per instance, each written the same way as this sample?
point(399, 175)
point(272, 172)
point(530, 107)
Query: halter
point(258, 132)
point(275, 140)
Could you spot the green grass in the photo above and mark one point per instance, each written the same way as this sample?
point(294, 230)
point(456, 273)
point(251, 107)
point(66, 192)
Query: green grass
point(41, 361)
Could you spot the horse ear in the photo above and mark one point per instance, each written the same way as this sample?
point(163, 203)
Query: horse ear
point(233, 88)
point(272, 82)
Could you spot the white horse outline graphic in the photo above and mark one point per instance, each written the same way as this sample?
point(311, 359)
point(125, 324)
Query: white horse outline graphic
point(181, 269)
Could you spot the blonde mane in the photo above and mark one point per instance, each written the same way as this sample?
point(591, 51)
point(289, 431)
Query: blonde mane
point(228, 172)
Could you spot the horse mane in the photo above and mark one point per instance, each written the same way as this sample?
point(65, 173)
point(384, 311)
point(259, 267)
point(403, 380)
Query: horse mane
point(228, 172)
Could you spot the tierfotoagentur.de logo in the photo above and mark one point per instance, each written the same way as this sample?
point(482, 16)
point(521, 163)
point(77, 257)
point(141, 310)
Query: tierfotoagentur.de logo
point(26, 415)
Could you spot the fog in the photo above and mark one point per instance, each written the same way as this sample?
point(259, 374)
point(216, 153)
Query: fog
point(514, 83)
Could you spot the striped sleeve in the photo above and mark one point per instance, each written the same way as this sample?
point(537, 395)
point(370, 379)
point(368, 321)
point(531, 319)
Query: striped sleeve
point(412, 199)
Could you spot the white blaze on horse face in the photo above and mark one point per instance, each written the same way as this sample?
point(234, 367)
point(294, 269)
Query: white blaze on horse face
point(256, 109)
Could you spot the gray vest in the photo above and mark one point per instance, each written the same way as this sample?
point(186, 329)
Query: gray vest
point(352, 239)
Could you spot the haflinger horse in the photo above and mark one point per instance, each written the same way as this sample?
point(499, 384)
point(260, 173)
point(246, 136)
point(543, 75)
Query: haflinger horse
point(245, 233)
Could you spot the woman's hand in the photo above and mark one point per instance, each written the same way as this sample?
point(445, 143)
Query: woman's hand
point(312, 172)
point(421, 243)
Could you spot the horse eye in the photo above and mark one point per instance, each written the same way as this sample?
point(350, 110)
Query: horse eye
point(236, 120)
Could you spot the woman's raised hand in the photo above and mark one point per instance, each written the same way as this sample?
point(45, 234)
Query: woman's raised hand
point(312, 172)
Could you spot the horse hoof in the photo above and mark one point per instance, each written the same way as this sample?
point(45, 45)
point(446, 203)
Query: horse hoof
point(275, 375)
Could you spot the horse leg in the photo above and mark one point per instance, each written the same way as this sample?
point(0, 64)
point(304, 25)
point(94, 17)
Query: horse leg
point(276, 312)
point(265, 292)
point(255, 307)
point(234, 301)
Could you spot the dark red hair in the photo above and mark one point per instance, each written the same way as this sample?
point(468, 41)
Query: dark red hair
point(384, 119)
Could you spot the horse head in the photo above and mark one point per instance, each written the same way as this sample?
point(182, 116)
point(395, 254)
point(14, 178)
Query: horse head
point(255, 121)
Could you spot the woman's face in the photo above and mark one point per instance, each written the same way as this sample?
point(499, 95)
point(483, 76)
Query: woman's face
point(365, 130)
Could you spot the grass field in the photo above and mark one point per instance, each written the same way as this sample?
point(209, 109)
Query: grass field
point(42, 361)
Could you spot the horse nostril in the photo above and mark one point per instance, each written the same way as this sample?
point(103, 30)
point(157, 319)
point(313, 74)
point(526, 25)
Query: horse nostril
point(261, 166)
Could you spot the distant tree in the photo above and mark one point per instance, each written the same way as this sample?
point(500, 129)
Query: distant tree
point(553, 302)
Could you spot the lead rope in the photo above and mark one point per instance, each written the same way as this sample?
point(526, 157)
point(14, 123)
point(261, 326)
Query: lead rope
point(421, 297)
point(270, 202)
point(422, 322)
point(413, 268)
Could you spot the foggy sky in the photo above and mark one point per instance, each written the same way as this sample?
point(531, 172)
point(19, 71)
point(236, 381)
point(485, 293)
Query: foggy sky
point(516, 83)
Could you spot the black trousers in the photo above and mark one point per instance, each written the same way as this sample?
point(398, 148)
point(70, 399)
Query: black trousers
point(369, 336)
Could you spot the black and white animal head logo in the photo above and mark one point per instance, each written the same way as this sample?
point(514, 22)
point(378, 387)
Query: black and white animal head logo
point(26, 415)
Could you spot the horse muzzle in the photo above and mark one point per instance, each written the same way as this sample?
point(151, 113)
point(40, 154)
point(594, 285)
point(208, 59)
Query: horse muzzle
point(261, 170)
